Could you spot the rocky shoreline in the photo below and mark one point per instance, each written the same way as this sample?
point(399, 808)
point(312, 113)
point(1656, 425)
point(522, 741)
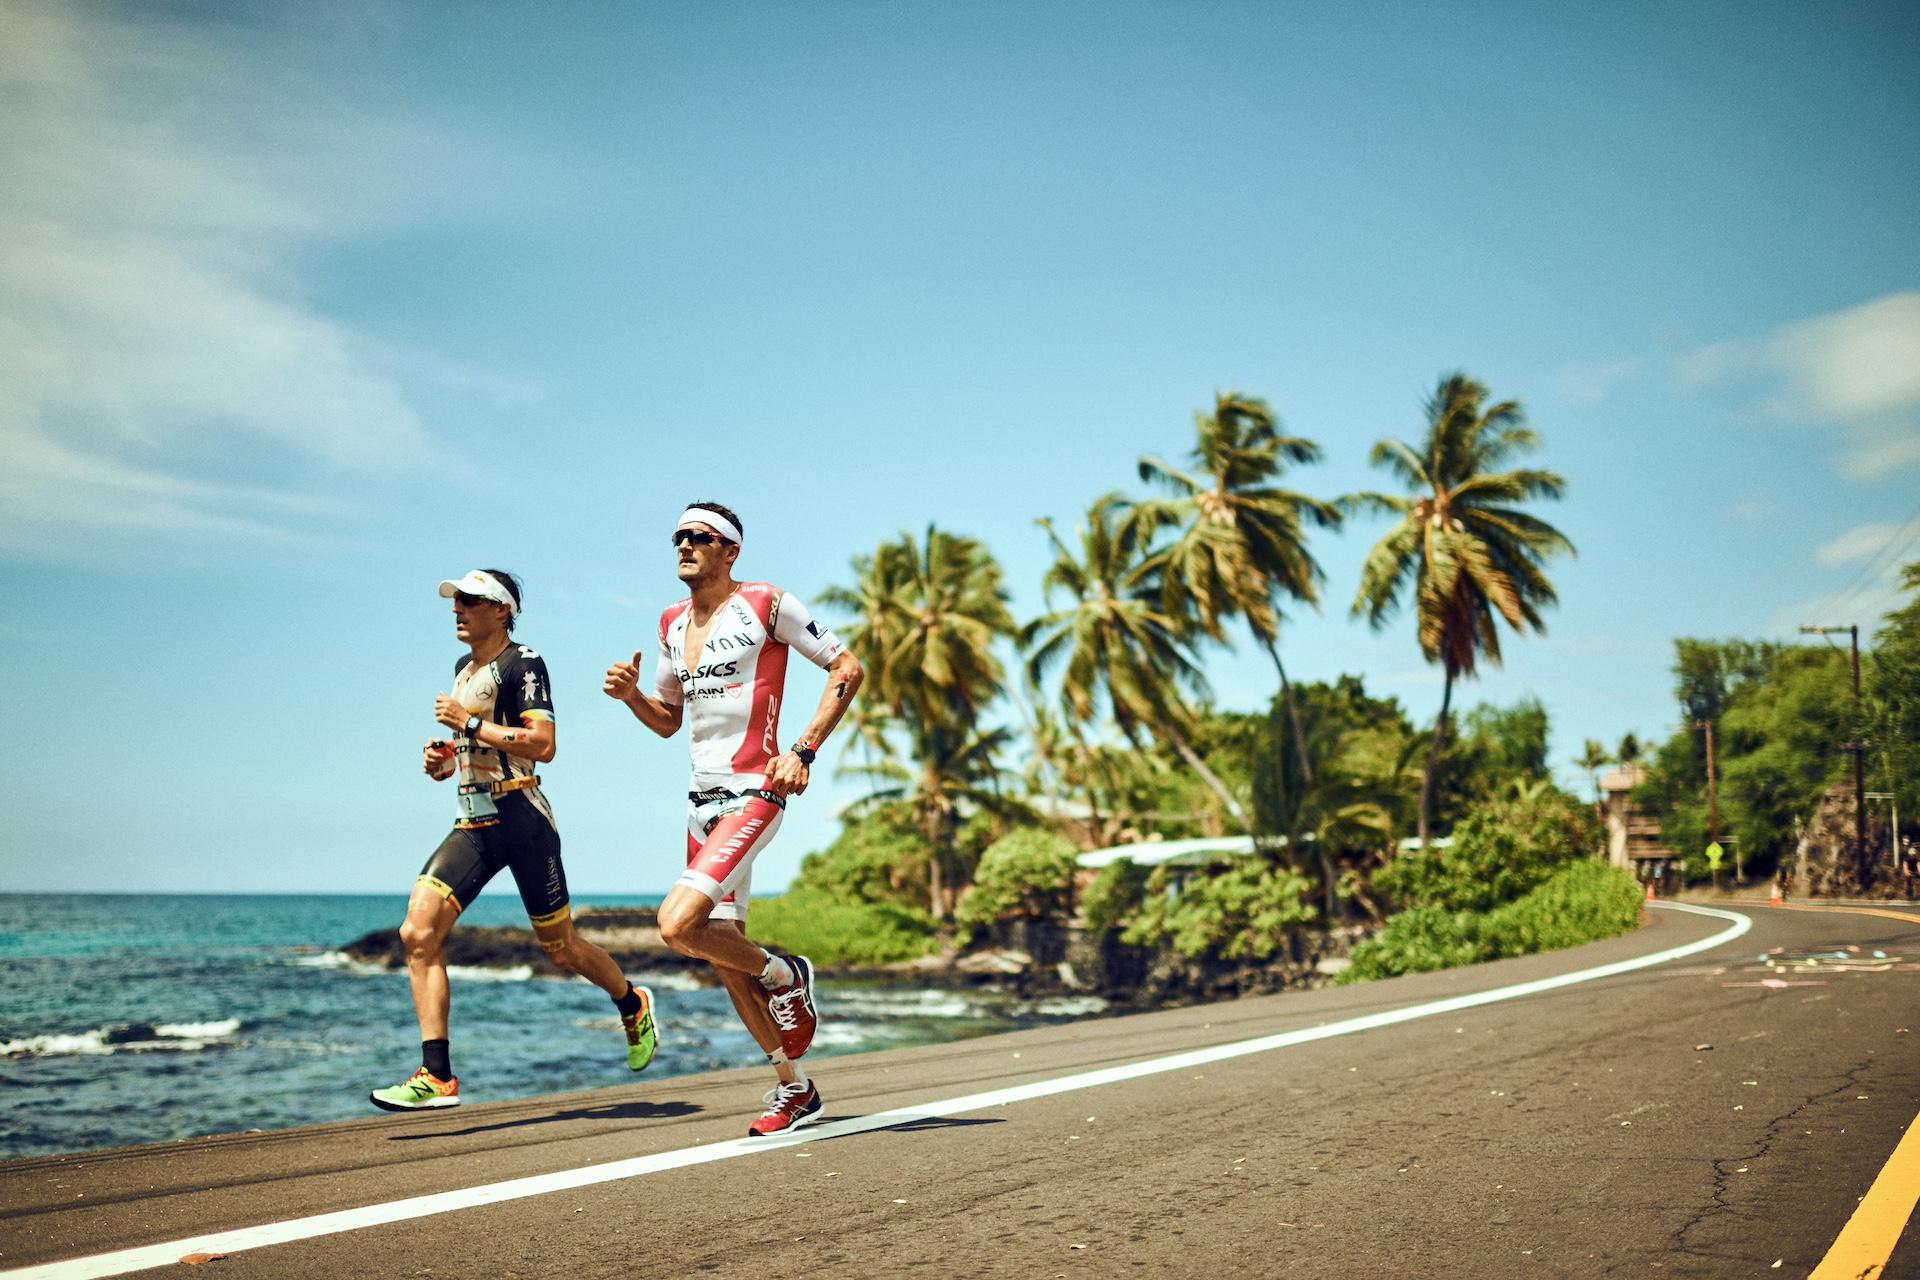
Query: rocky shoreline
point(1026, 958)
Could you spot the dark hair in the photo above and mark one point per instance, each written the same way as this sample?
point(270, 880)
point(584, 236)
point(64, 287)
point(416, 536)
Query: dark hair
point(512, 584)
point(720, 510)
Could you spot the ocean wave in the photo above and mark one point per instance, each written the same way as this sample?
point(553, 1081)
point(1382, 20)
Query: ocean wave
point(923, 1003)
point(481, 973)
point(667, 980)
point(135, 1037)
point(1064, 1007)
point(341, 961)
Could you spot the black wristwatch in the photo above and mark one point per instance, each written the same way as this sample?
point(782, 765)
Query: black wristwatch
point(804, 750)
point(473, 726)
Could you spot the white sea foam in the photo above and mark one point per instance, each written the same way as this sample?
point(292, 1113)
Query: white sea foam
point(199, 1030)
point(340, 960)
point(165, 1037)
point(666, 980)
point(58, 1046)
point(1065, 1006)
point(921, 1003)
point(481, 973)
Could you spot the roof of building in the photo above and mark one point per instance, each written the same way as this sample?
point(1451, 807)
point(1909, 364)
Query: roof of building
point(1153, 853)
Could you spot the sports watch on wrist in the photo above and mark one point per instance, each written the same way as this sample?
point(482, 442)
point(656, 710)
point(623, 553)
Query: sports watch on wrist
point(473, 726)
point(804, 750)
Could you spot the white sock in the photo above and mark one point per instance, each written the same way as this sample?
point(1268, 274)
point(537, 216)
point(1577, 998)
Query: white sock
point(786, 1068)
point(778, 973)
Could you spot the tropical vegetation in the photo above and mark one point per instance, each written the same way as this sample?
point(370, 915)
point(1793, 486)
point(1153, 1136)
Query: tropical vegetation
point(994, 749)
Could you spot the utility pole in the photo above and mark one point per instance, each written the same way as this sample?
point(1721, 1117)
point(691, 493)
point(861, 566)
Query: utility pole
point(1713, 786)
point(1859, 750)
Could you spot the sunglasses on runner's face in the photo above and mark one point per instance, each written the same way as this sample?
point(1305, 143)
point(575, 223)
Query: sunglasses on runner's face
point(471, 601)
point(697, 538)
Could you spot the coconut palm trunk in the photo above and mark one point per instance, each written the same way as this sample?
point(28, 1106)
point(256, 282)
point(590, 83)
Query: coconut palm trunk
point(1186, 752)
point(936, 891)
point(1433, 759)
point(1293, 710)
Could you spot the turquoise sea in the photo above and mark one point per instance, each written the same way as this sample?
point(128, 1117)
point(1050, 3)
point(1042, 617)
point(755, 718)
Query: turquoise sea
point(131, 1019)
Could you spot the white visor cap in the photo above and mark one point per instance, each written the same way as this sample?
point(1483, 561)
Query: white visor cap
point(713, 520)
point(484, 585)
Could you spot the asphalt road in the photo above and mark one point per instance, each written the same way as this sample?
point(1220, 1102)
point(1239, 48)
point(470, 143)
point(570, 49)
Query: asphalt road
point(1581, 1131)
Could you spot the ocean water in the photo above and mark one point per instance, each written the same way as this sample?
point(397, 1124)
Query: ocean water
point(131, 1019)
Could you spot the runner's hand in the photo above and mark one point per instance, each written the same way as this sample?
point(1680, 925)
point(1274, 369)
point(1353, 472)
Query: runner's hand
point(786, 776)
point(437, 759)
point(622, 679)
point(450, 712)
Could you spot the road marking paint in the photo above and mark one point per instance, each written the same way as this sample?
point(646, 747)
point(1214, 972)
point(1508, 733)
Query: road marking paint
point(1864, 1246)
point(122, 1261)
point(1905, 917)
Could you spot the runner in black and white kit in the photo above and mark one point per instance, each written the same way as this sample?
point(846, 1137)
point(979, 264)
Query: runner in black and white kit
point(501, 709)
point(720, 665)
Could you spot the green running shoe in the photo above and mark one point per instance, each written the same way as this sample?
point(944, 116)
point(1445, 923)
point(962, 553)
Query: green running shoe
point(421, 1092)
point(643, 1033)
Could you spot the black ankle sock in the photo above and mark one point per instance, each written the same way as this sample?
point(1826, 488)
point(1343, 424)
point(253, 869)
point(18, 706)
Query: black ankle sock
point(628, 1004)
point(433, 1056)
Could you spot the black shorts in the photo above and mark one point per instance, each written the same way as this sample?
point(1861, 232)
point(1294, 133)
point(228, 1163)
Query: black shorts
point(523, 841)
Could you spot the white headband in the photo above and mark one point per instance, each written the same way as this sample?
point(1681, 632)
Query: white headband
point(713, 520)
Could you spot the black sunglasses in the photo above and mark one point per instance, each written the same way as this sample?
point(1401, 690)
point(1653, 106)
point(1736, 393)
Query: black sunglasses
point(471, 600)
point(697, 538)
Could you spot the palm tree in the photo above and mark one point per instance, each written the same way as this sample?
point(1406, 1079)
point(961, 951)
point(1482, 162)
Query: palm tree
point(1629, 749)
point(1116, 638)
point(929, 614)
point(1470, 553)
point(1342, 807)
point(1242, 541)
point(1593, 758)
point(954, 769)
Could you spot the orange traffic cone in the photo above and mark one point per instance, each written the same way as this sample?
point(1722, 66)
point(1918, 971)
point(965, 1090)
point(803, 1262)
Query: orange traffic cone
point(1776, 899)
point(1649, 891)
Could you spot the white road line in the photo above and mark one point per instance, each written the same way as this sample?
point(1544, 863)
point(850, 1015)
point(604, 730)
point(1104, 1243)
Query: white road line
point(122, 1261)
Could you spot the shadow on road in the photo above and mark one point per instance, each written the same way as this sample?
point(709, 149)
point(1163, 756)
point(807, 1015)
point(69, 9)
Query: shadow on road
point(612, 1111)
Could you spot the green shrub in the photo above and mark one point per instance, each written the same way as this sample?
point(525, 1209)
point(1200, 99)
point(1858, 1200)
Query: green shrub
point(837, 930)
point(872, 860)
point(1025, 873)
point(1582, 902)
point(1416, 940)
point(1115, 895)
point(1499, 852)
point(1241, 910)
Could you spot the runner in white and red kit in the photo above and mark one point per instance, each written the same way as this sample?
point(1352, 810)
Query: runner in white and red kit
point(721, 665)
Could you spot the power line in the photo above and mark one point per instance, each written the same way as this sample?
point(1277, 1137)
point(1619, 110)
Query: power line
point(1889, 554)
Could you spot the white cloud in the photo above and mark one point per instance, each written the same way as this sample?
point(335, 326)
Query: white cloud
point(1858, 369)
point(1591, 381)
point(160, 366)
point(1857, 543)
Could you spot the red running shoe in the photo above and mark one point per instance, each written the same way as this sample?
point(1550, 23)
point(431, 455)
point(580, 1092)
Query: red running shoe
point(793, 1009)
point(788, 1107)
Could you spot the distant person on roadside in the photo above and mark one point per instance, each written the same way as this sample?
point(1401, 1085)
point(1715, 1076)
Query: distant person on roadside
point(501, 714)
point(721, 665)
point(1909, 868)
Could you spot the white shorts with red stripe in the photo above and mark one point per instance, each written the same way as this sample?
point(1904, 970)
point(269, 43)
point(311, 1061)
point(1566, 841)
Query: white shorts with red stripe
point(728, 823)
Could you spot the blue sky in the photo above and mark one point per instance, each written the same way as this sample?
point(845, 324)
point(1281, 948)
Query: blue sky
point(304, 308)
